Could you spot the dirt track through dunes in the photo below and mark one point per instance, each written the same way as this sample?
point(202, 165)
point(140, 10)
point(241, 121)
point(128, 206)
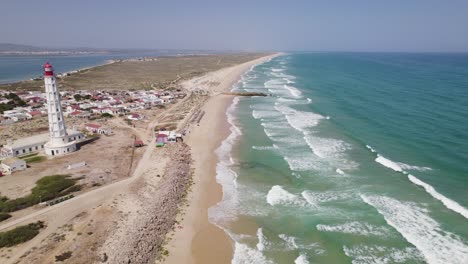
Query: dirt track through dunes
point(163, 72)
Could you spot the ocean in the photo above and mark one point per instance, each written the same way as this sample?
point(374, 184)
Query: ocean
point(354, 158)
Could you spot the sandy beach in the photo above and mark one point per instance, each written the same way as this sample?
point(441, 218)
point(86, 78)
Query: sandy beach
point(199, 241)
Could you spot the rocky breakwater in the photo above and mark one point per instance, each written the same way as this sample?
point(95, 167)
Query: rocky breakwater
point(142, 238)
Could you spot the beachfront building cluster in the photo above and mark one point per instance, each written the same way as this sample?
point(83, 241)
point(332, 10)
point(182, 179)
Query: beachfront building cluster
point(86, 104)
point(57, 141)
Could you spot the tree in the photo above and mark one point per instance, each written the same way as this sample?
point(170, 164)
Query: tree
point(77, 97)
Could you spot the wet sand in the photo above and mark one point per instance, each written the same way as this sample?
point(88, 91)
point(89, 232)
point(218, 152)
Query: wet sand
point(198, 240)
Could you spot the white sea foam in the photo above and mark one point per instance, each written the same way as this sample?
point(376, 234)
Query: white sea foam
point(309, 100)
point(302, 259)
point(293, 90)
point(315, 198)
point(290, 241)
point(418, 228)
point(299, 120)
point(388, 163)
point(364, 254)
point(357, 228)
point(279, 196)
point(412, 167)
point(262, 241)
point(301, 162)
point(339, 171)
point(450, 204)
point(263, 147)
point(224, 174)
point(259, 114)
point(396, 166)
point(370, 148)
point(400, 167)
point(277, 70)
point(244, 254)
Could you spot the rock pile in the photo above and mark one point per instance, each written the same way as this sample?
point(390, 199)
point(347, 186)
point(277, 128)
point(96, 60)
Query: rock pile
point(145, 239)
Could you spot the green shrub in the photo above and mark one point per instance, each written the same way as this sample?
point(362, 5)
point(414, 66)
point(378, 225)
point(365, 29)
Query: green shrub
point(4, 216)
point(47, 188)
point(64, 256)
point(34, 159)
point(20, 234)
point(106, 115)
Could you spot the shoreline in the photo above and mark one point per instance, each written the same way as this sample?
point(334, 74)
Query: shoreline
point(199, 240)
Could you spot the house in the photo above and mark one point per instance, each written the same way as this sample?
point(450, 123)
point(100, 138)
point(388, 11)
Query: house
point(79, 114)
point(98, 129)
point(135, 116)
point(168, 137)
point(138, 143)
point(33, 114)
point(72, 108)
point(10, 165)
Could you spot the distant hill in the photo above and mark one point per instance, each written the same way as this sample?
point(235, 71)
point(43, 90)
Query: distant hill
point(9, 48)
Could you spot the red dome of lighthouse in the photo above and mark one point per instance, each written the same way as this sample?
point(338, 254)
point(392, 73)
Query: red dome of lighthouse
point(48, 69)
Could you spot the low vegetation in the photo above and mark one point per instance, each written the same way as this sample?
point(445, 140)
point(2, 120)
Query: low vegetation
point(4, 216)
point(47, 188)
point(34, 159)
point(15, 101)
point(106, 115)
point(64, 256)
point(20, 234)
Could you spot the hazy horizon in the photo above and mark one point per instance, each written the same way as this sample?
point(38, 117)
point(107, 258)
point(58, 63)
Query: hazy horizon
point(357, 26)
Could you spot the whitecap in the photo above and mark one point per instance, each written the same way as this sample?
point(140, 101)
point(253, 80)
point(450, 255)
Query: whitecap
point(302, 259)
point(370, 148)
point(364, 254)
point(293, 90)
point(290, 241)
point(388, 163)
point(263, 147)
point(243, 254)
point(262, 241)
point(279, 196)
point(450, 204)
point(418, 228)
point(356, 228)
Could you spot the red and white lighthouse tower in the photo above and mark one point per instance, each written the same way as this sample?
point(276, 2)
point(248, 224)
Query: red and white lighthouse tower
point(59, 142)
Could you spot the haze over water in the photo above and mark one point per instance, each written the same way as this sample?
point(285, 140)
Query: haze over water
point(356, 157)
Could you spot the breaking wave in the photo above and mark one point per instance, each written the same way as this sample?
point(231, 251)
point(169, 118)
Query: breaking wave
point(417, 227)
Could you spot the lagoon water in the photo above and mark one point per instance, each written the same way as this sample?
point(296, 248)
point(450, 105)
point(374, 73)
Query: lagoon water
point(15, 68)
point(355, 158)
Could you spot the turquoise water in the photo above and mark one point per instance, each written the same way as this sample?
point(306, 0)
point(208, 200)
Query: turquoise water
point(355, 158)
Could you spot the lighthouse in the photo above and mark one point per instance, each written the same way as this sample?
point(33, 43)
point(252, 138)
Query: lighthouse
point(59, 142)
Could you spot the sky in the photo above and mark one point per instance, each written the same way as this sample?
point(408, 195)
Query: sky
point(248, 25)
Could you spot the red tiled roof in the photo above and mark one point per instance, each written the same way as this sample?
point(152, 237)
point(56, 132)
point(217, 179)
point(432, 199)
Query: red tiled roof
point(35, 113)
point(92, 126)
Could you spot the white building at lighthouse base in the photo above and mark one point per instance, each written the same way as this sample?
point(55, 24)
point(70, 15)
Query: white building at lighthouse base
point(63, 145)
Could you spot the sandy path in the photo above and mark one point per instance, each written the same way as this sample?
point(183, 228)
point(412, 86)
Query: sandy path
point(62, 213)
point(199, 241)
